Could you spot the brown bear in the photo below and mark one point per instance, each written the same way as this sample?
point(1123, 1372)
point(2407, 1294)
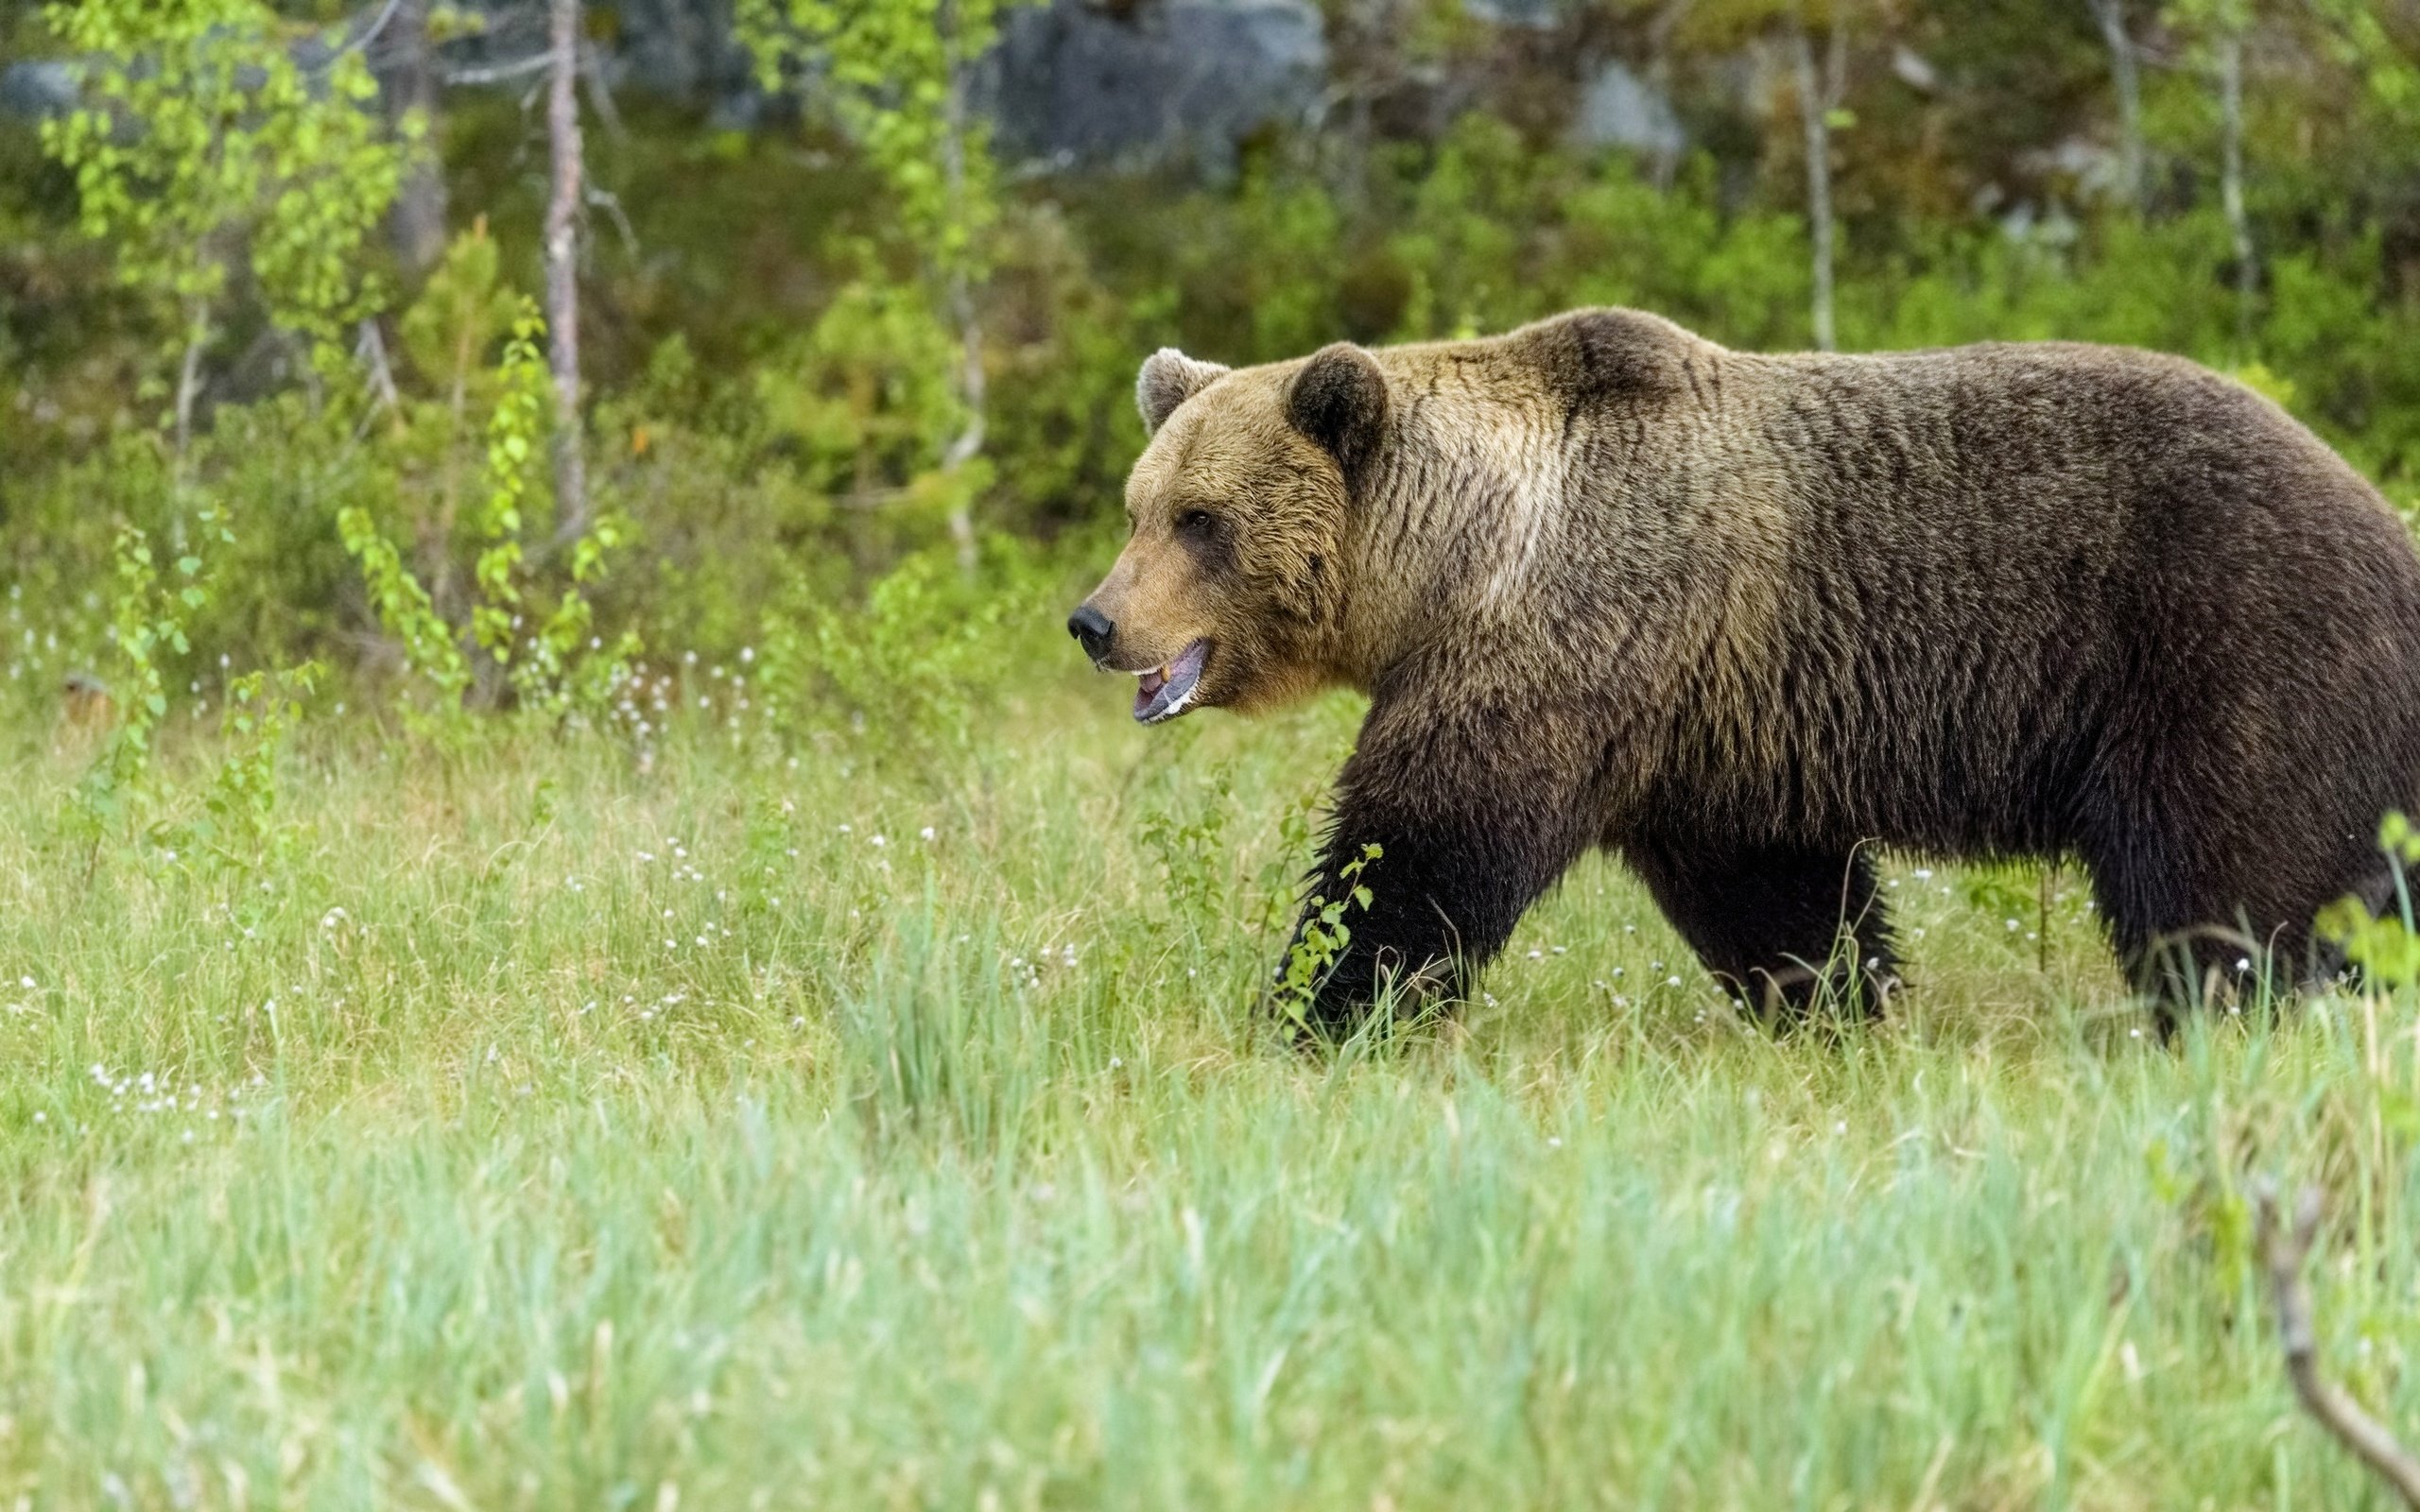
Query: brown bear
point(1744, 618)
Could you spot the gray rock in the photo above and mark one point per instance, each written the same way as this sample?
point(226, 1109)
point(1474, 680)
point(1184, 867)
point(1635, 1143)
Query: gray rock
point(681, 49)
point(1618, 109)
point(1162, 81)
point(37, 90)
point(1127, 83)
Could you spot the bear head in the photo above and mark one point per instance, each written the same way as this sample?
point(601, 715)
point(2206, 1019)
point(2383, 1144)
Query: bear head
point(1231, 587)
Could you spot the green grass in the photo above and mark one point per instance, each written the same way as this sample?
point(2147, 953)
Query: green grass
point(555, 1129)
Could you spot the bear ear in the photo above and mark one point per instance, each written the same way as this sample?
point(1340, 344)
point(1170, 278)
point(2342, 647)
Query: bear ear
point(1339, 401)
point(1169, 379)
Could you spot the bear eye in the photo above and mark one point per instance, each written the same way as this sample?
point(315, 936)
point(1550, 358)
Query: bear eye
point(1196, 522)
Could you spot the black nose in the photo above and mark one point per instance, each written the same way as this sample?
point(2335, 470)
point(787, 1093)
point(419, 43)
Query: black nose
point(1091, 627)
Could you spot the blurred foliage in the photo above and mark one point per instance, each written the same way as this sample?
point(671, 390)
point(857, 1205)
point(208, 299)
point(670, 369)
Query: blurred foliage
point(779, 319)
point(202, 148)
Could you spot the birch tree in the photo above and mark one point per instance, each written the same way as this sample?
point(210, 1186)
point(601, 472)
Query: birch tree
point(2125, 73)
point(898, 75)
point(2218, 29)
point(563, 265)
point(203, 149)
point(1813, 37)
point(1821, 90)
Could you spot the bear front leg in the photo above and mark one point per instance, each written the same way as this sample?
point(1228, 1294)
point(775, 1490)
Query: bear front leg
point(1473, 822)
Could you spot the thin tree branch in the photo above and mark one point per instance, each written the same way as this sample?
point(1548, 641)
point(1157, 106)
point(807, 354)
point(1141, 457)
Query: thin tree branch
point(610, 203)
point(600, 94)
point(369, 349)
point(499, 73)
point(2283, 1254)
point(367, 37)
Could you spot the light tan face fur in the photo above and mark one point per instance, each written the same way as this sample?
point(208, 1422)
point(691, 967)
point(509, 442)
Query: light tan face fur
point(1232, 564)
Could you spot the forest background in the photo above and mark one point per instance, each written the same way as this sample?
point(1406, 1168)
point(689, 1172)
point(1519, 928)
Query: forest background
point(842, 285)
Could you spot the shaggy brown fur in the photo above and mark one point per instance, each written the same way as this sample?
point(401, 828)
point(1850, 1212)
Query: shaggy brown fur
point(1743, 618)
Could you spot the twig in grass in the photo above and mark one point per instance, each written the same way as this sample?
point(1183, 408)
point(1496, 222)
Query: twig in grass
point(2042, 934)
point(2283, 1254)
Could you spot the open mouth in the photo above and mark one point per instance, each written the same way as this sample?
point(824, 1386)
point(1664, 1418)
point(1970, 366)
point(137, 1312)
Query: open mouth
point(1165, 691)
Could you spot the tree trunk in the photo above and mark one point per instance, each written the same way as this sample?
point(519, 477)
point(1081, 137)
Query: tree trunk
point(2125, 71)
point(1818, 96)
point(189, 375)
point(968, 443)
point(406, 69)
point(562, 270)
point(1660, 29)
point(2247, 271)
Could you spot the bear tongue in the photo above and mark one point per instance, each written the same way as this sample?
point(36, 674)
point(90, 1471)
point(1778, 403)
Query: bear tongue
point(1147, 687)
point(1165, 691)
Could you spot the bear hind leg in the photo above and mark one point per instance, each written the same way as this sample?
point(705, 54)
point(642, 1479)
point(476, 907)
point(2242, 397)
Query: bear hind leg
point(1785, 930)
point(2195, 923)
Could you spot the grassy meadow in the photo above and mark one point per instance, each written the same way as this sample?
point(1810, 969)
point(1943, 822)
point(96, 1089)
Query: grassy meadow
point(704, 1121)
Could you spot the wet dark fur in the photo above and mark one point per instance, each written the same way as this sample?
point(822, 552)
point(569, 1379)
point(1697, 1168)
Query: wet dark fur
point(1761, 614)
